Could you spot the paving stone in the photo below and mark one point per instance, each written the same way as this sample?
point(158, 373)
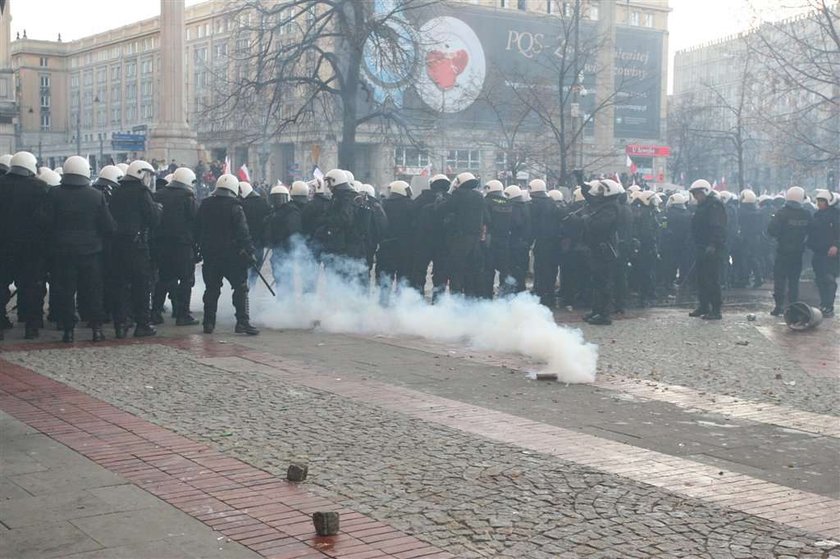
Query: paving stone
point(32, 541)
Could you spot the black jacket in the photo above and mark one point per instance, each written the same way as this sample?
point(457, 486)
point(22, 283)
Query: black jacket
point(751, 223)
point(221, 229)
point(601, 226)
point(825, 230)
point(344, 229)
point(466, 213)
point(135, 212)
point(545, 218)
point(396, 242)
point(177, 220)
point(500, 210)
point(256, 210)
point(76, 220)
point(282, 224)
point(24, 198)
point(313, 214)
point(708, 224)
point(429, 227)
point(677, 229)
point(790, 228)
point(521, 234)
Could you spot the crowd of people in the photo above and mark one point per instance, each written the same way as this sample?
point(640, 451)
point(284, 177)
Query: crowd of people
point(113, 249)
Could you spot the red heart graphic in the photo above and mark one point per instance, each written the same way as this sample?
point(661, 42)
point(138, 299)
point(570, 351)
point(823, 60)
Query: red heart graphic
point(444, 68)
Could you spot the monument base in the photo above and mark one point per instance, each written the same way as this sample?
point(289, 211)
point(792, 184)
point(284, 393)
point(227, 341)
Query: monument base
point(180, 145)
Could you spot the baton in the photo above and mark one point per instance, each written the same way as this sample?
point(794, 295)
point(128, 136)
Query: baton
point(273, 294)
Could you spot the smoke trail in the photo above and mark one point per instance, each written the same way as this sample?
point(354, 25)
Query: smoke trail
point(334, 300)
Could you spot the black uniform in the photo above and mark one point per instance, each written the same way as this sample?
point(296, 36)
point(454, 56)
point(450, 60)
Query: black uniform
point(497, 253)
point(601, 235)
point(393, 260)
point(430, 240)
point(221, 231)
point(378, 224)
point(26, 250)
point(645, 251)
point(790, 228)
point(521, 238)
point(675, 244)
point(256, 210)
point(825, 234)
point(751, 230)
point(545, 218)
point(175, 250)
point(575, 286)
point(624, 249)
point(7, 270)
point(342, 234)
point(77, 222)
point(282, 226)
point(136, 215)
point(708, 231)
point(311, 217)
point(467, 220)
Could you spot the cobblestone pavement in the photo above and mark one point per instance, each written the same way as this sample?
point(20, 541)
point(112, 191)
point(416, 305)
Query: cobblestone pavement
point(465, 493)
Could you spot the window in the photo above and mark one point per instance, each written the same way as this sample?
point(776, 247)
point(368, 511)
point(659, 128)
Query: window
point(116, 72)
point(45, 81)
point(45, 101)
point(146, 66)
point(593, 12)
point(131, 69)
point(220, 50)
point(522, 5)
point(464, 160)
point(635, 18)
point(116, 114)
point(131, 114)
point(116, 92)
point(131, 91)
point(200, 56)
point(146, 88)
point(241, 46)
point(46, 120)
point(410, 157)
point(88, 78)
point(503, 3)
point(43, 62)
point(219, 25)
point(101, 75)
point(647, 20)
point(147, 111)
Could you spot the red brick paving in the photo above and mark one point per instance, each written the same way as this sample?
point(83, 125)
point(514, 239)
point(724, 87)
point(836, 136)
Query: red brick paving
point(265, 513)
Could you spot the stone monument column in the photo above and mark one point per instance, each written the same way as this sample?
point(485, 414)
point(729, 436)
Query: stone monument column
point(8, 106)
point(171, 137)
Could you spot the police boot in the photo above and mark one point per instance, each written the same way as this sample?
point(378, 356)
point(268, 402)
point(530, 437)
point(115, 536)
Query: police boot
point(600, 320)
point(5, 323)
point(777, 310)
point(30, 332)
point(713, 315)
point(144, 331)
point(184, 318)
point(119, 330)
point(243, 324)
point(209, 323)
point(68, 337)
point(158, 298)
point(98, 335)
point(698, 312)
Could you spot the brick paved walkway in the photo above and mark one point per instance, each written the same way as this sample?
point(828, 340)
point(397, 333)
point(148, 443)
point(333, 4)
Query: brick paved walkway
point(268, 515)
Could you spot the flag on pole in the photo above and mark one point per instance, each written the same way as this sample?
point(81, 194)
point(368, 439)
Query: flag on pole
point(632, 166)
point(243, 174)
point(427, 170)
point(226, 168)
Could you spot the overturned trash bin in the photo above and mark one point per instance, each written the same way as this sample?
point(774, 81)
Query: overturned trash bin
point(801, 316)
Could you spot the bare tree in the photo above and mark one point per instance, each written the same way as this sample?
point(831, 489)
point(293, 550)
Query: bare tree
point(298, 66)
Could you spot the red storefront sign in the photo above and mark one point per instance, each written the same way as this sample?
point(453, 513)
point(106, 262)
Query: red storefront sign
point(640, 150)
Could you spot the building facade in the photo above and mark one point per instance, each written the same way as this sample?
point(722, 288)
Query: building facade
point(75, 96)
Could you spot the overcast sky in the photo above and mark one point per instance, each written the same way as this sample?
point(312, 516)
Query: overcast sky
point(691, 22)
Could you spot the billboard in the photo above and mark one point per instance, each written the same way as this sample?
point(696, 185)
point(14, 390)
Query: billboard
point(470, 66)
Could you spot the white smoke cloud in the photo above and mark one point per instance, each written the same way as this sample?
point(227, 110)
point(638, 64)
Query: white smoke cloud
point(334, 303)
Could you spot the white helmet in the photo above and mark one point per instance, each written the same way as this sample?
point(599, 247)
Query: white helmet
point(319, 185)
point(335, 178)
point(357, 186)
point(121, 166)
point(23, 163)
point(183, 175)
point(677, 199)
point(513, 192)
point(168, 178)
point(440, 180)
point(48, 176)
point(526, 195)
point(763, 198)
point(725, 196)
point(245, 189)
point(228, 182)
point(60, 170)
point(280, 188)
point(537, 185)
point(139, 170)
point(351, 178)
point(494, 186)
point(555, 195)
point(795, 194)
point(5, 161)
point(78, 166)
point(646, 197)
point(369, 190)
point(827, 195)
point(400, 188)
point(111, 173)
point(612, 188)
point(701, 185)
point(465, 179)
point(634, 188)
point(299, 188)
point(748, 196)
point(577, 195)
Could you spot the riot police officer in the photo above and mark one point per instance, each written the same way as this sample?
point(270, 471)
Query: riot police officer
point(467, 217)
point(282, 226)
point(824, 240)
point(393, 260)
point(521, 237)
point(497, 254)
point(601, 234)
point(136, 215)
point(225, 243)
point(256, 210)
point(708, 231)
point(429, 237)
point(790, 228)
